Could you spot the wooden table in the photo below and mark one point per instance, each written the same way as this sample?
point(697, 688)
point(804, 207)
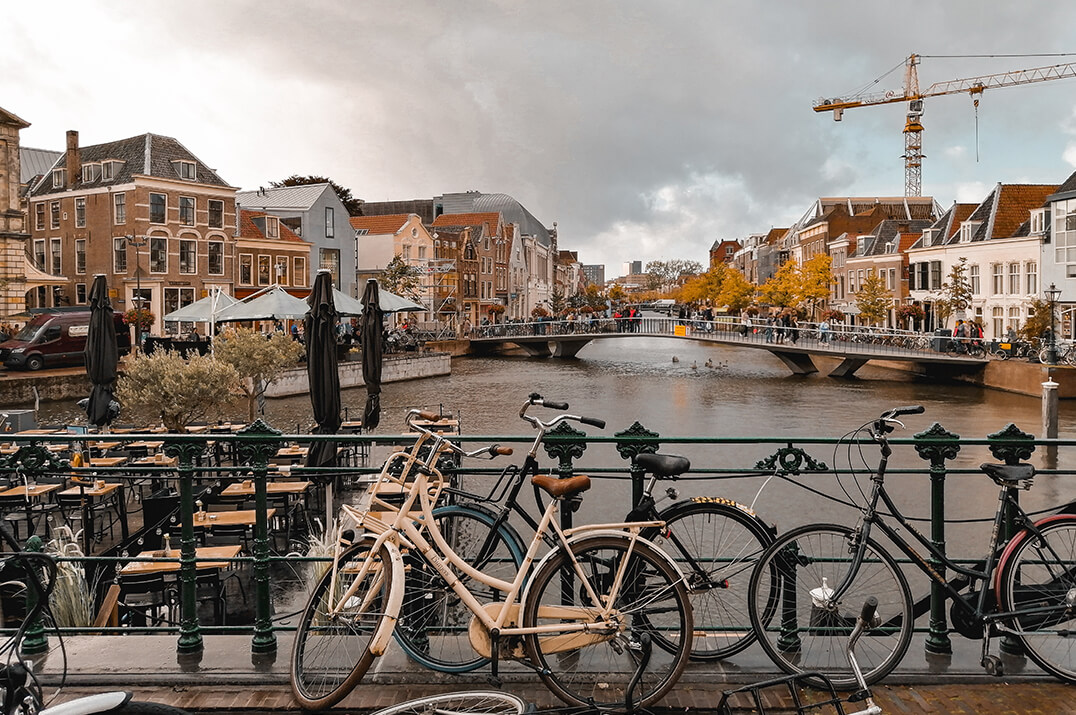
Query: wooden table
point(156, 460)
point(146, 444)
point(40, 431)
point(292, 451)
point(99, 491)
point(240, 489)
point(103, 445)
point(30, 494)
point(445, 426)
point(204, 554)
point(107, 461)
point(230, 518)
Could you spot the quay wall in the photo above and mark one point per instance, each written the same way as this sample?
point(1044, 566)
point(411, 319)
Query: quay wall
point(17, 388)
point(1017, 376)
point(395, 368)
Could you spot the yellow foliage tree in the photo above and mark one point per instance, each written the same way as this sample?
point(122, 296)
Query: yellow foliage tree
point(816, 278)
point(785, 288)
point(736, 291)
point(873, 299)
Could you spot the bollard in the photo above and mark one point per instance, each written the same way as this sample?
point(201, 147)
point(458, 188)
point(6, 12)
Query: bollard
point(1049, 409)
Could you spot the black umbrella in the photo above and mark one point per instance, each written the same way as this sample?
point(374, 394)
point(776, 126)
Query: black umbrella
point(102, 354)
point(370, 341)
point(319, 327)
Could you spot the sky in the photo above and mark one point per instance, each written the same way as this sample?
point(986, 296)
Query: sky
point(646, 130)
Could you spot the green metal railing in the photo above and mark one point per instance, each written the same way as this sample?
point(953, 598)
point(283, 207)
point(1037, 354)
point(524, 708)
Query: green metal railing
point(213, 459)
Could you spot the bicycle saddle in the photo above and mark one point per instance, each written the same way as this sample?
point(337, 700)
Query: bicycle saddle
point(663, 465)
point(561, 488)
point(1009, 475)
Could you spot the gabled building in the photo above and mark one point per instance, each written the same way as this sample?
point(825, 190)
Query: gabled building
point(723, 252)
point(830, 217)
point(482, 261)
point(882, 251)
point(379, 239)
point(269, 253)
point(1002, 255)
point(147, 213)
point(1055, 222)
point(316, 214)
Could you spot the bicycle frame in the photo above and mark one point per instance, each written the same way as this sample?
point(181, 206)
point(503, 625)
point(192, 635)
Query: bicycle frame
point(405, 532)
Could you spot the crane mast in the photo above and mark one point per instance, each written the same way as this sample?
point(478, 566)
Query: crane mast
point(913, 126)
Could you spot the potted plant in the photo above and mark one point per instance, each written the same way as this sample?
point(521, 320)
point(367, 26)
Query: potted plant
point(539, 312)
point(139, 317)
point(832, 315)
point(911, 312)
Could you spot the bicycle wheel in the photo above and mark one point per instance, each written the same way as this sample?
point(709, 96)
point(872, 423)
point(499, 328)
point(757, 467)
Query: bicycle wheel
point(433, 621)
point(595, 667)
point(332, 649)
point(477, 702)
point(715, 545)
point(807, 632)
point(1036, 580)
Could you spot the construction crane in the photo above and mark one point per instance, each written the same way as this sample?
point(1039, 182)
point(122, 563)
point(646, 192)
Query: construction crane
point(913, 127)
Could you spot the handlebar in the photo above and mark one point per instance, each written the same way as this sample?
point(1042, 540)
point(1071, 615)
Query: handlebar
point(885, 422)
point(870, 607)
point(537, 399)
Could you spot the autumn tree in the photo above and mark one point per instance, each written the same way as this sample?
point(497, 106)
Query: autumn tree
point(660, 275)
point(873, 299)
point(617, 292)
point(177, 391)
point(816, 277)
point(955, 291)
point(353, 205)
point(784, 288)
point(736, 291)
point(593, 296)
point(257, 360)
point(1038, 320)
point(401, 278)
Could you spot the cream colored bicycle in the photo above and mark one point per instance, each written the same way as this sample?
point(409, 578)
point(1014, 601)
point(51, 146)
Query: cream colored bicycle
point(577, 617)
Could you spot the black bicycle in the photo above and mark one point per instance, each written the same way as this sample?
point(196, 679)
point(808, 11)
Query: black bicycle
point(714, 541)
point(1024, 588)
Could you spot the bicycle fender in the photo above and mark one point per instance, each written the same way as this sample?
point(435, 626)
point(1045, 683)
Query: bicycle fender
point(619, 533)
point(1018, 539)
point(742, 508)
point(99, 703)
point(380, 642)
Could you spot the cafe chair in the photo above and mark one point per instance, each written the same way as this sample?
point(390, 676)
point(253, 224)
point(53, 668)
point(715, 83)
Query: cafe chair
point(103, 512)
point(147, 599)
point(228, 535)
point(14, 513)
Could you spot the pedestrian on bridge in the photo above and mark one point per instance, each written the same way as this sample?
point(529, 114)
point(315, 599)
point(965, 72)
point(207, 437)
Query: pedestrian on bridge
point(823, 331)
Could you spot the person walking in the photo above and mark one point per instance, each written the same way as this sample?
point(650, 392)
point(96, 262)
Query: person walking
point(823, 331)
point(793, 328)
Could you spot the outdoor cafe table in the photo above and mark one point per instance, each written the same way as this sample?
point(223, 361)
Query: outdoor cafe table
point(144, 444)
point(52, 447)
point(100, 491)
point(242, 489)
point(30, 493)
point(107, 461)
point(40, 431)
point(204, 554)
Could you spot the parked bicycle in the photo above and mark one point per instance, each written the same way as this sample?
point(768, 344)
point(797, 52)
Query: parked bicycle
point(578, 621)
point(714, 542)
point(36, 573)
point(1024, 588)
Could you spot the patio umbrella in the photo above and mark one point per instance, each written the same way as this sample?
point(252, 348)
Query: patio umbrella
point(389, 302)
point(203, 310)
point(370, 342)
point(319, 326)
point(102, 354)
point(274, 304)
point(345, 304)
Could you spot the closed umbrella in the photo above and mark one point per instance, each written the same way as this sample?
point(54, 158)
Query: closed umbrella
point(319, 327)
point(371, 344)
point(102, 354)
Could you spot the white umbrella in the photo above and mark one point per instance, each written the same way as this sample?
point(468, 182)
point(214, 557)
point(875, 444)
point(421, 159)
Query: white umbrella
point(275, 304)
point(201, 311)
point(345, 304)
point(390, 303)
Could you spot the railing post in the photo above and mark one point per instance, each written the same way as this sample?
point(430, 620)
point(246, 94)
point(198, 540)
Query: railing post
point(35, 641)
point(565, 444)
point(1012, 446)
point(257, 453)
point(632, 442)
point(190, 635)
point(944, 445)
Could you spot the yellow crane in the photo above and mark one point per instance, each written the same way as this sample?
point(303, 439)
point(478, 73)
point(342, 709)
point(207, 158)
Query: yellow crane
point(913, 127)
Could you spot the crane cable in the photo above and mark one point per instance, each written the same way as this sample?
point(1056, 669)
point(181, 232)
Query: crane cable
point(976, 103)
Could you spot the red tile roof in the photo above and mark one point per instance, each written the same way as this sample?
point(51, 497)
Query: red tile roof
point(492, 218)
point(249, 229)
point(380, 225)
point(1015, 204)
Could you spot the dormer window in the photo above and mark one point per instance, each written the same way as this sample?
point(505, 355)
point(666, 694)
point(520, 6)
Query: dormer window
point(1038, 221)
point(272, 227)
point(109, 169)
point(361, 231)
point(59, 178)
point(187, 170)
point(91, 172)
point(968, 229)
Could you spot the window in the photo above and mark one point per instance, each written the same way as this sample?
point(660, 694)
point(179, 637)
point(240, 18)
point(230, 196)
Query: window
point(59, 178)
point(282, 270)
point(998, 321)
point(1014, 317)
point(176, 298)
point(216, 213)
point(216, 258)
point(406, 253)
point(187, 170)
point(39, 256)
point(1014, 278)
point(90, 172)
point(39, 212)
point(330, 259)
point(272, 227)
point(298, 265)
point(935, 275)
point(186, 210)
point(119, 208)
point(973, 278)
point(997, 286)
point(119, 255)
point(1038, 221)
point(108, 170)
point(158, 254)
point(967, 230)
point(80, 293)
point(158, 206)
point(264, 270)
point(80, 255)
point(80, 212)
point(422, 253)
point(330, 221)
point(55, 251)
point(246, 269)
point(54, 211)
point(188, 256)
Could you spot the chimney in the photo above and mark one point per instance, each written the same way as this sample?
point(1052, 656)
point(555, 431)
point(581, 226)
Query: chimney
point(73, 162)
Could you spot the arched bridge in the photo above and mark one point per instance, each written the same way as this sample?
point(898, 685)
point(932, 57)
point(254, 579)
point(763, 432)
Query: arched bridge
point(854, 346)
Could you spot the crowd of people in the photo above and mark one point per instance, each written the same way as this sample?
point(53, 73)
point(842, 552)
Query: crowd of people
point(8, 331)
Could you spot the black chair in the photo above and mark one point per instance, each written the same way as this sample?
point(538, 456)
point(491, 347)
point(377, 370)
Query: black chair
point(147, 599)
point(228, 535)
point(15, 512)
point(102, 511)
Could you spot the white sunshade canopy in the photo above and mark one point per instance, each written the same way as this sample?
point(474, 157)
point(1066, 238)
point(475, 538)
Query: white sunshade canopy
point(274, 304)
point(203, 310)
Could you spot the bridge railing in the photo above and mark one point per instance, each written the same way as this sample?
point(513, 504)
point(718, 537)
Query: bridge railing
point(786, 480)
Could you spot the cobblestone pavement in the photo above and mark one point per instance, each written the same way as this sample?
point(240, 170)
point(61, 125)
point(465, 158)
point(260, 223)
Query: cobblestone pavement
point(995, 698)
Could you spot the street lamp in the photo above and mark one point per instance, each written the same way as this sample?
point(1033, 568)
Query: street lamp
point(138, 243)
point(1052, 294)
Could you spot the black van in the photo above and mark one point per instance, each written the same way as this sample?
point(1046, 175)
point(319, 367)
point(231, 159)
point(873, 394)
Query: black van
point(54, 338)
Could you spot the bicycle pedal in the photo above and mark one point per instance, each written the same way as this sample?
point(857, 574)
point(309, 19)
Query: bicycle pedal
point(993, 665)
point(494, 681)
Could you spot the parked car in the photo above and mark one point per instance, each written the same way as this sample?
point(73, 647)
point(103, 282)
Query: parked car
point(56, 338)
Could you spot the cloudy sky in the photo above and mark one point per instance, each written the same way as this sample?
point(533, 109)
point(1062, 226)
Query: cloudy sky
point(645, 129)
